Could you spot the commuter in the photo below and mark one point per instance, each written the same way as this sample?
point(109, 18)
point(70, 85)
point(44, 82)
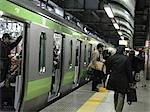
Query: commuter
point(5, 62)
point(141, 64)
point(134, 64)
point(96, 65)
point(106, 54)
point(119, 68)
point(131, 96)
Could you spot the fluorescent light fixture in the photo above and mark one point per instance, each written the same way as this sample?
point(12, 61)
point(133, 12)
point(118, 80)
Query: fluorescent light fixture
point(113, 20)
point(1, 13)
point(108, 10)
point(116, 25)
point(122, 37)
point(119, 32)
point(127, 49)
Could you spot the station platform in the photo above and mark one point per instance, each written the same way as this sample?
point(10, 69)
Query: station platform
point(85, 100)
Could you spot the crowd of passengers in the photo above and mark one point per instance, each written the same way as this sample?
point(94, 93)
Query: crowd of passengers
point(9, 61)
point(118, 72)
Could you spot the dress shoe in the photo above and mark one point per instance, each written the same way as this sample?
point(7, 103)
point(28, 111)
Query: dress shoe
point(95, 90)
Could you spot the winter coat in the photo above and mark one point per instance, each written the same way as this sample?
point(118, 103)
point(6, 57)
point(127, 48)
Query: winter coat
point(119, 68)
point(134, 63)
point(141, 62)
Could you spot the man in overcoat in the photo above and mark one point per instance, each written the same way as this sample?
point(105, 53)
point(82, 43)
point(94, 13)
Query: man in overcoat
point(119, 68)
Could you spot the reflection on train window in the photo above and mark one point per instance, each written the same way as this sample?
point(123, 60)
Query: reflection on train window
point(89, 53)
point(57, 51)
point(70, 61)
point(77, 55)
point(42, 52)
point(85, 55)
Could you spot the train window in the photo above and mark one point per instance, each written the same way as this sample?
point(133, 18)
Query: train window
point(89, 53)
point(42, 53)
point(85, 54)
point(77, 55)
point(71, 47)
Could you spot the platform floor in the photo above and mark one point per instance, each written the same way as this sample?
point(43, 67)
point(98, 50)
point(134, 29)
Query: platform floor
point(85, 100)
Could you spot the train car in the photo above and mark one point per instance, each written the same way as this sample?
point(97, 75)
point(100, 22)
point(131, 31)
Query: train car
point(52, 56)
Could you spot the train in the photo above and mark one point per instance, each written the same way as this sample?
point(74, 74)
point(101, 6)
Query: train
point(53, 55)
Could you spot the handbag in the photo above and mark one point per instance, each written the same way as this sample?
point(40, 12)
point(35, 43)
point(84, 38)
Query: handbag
point(131, 95)
point(137, 77)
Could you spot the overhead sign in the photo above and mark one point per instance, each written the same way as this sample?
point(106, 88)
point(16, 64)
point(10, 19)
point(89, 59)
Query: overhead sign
point(123, 42)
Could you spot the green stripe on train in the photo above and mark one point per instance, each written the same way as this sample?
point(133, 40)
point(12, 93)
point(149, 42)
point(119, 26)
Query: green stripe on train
point(23, 13)
point(18, 11)
point(68, 77)
point(38, 87)
point(83, 73)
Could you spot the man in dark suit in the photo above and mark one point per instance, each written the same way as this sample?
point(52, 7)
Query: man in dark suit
point(119, 68)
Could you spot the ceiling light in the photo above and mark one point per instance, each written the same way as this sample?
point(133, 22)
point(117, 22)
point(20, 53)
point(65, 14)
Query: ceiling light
point(116, 25)
point(108, 11)
point(1, 13)
point(122, 37)
point(119, 32)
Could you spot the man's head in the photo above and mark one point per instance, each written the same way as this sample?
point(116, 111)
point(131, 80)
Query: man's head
point(132, 53)
point(120, 50)
point(100, 47)
point(140, 50)
point(6, 38)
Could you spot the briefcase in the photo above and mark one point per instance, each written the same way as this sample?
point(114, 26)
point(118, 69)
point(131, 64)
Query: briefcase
point(131, 95)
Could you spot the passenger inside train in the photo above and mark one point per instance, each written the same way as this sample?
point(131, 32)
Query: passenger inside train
point(10, 47)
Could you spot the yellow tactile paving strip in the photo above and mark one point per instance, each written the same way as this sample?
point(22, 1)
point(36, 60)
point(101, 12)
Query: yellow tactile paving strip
point(93, 102)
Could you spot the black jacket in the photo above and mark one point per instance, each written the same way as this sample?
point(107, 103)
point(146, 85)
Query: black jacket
point(134, 63)
point(119, 68)
point(141, 62)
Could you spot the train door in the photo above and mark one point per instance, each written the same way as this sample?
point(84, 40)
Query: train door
point(77, 61)
point(84, 64)
point(11, 62)
point(68, 64)
point(89, 53)
point(57, 64)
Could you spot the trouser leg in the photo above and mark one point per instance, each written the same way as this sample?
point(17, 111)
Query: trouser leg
point(119, 102)
point(94, 80)
point(94, 83)
point(115, 99)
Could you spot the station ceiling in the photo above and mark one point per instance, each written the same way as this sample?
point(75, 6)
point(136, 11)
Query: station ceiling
point(131, 16)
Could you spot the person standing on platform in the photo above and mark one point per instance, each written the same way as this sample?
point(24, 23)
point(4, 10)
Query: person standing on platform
point(134, 64)
point(119, 68)
point(141, 66)
point(95, 59)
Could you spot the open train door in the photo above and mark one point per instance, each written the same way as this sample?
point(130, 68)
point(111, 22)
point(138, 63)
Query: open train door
point(77, 62)
point(11, 63)
point(57, 65)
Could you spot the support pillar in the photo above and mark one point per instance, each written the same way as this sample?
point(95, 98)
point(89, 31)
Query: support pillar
point(148, 48)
